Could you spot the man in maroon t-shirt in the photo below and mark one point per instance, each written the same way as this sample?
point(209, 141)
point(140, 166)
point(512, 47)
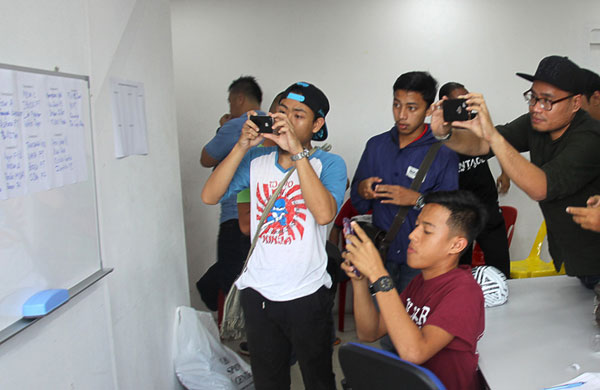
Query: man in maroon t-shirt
point(439, 317)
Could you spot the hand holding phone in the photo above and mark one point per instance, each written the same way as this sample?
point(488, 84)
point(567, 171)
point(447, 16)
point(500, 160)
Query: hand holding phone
point(456, 110)
point(264, 123)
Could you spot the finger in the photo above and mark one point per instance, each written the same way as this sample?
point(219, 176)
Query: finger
point(360, 233)
point(577, 210)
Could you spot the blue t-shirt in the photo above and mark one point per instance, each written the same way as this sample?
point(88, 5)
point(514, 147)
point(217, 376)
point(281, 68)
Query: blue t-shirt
point(218, 148)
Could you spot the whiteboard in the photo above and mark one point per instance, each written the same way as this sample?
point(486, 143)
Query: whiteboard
point(48, 212)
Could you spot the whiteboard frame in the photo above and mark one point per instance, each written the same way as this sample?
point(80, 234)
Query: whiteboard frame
point(23, 323)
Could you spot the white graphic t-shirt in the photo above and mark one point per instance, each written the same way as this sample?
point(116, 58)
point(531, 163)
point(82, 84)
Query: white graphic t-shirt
point(289, 260)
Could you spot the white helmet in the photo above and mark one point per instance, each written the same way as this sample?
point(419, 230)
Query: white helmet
point(493, 284)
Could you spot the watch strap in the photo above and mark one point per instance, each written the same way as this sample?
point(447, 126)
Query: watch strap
point(301, 155)
point(383, 284)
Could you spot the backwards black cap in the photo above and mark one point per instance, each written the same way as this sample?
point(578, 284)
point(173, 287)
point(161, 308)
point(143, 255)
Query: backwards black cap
point(314, 98)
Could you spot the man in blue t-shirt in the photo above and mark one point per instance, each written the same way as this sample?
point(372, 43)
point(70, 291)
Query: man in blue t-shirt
point(232, 246)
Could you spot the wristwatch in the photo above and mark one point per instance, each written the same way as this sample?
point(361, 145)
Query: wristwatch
point(444, 137)
point(301, 155)
point(384, 283)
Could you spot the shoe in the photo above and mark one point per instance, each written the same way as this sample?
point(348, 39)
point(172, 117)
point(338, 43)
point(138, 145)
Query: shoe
point(244, 348)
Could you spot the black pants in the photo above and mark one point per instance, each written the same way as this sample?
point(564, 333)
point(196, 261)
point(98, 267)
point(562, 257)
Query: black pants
point(273, 328)
point(232, 249)
point(493, 242)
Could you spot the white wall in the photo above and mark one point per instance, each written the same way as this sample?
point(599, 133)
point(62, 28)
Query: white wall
point(354, 50)
point(118, 334)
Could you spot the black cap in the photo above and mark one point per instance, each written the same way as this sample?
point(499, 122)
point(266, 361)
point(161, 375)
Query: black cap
point(314, 98)
point(558, 71)
point(591, 82)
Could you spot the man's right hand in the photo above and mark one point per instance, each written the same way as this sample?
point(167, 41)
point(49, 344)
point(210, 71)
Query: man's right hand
point(224, 119)
point(439, 128)
point(250, 136)
point(365, 187)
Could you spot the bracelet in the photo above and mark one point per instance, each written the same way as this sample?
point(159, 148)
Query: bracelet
point(301, 155)
point(444, 137)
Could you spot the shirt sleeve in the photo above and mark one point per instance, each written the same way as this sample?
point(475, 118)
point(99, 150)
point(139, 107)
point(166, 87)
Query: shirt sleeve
point(516, 133)
point(459, 313)
point(227, 135)
point(447, 178)
point(334, 177)
point(244, 196)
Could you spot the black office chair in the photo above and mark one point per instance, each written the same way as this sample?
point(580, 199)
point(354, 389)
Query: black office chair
point(368, 368)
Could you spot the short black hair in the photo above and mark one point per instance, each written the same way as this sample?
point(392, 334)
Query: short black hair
point(247, 86)
point(447, 88)
point(591, 82)
point(421, 82)
point(467, 213)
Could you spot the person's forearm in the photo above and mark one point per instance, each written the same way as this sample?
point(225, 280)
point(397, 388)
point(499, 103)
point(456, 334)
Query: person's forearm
point(464, 142)
point(366, 316)
point(406, 336)
point(218, 182)
point(317, 198)
point(527, 176)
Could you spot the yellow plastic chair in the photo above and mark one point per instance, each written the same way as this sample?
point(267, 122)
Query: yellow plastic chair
point(533, 266)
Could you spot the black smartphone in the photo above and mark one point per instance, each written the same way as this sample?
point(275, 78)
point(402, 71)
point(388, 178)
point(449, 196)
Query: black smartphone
point(456, 110)
point(264, 123)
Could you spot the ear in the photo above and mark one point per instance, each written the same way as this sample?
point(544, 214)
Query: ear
point(317, 124)
point(459, 243)
point(595, 99)
point(577, 102)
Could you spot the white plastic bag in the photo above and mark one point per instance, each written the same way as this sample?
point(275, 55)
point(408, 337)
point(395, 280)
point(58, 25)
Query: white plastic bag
point(202, 362)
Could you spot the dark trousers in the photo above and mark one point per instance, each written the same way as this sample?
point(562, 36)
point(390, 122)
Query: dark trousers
point(274, 328)
point(232, 249)
point(493, 243)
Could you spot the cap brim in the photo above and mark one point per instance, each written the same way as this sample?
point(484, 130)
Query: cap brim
point(320, 135)
point(527, 77)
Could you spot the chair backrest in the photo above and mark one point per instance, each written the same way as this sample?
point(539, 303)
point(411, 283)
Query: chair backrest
point(368, 368)
point(510, 217)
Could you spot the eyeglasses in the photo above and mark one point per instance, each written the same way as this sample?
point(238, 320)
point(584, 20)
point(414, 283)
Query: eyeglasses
point(545, 104)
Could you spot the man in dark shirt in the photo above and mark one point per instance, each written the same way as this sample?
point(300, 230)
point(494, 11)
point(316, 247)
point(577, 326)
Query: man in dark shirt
point(474, 175)
point(564, 170)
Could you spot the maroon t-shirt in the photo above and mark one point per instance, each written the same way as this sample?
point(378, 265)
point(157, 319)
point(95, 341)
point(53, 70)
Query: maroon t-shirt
point(454, 302)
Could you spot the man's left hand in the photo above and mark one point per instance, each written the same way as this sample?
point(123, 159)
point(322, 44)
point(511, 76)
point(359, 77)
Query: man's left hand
point(284, 134)
point(587, 217)
point(396, 194)
point(362, 254)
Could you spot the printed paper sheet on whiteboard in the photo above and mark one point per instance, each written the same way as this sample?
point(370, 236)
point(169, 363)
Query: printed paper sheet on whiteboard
point(129, 118)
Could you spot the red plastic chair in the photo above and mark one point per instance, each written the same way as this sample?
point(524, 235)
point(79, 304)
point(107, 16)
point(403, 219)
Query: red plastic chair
point(510, 218)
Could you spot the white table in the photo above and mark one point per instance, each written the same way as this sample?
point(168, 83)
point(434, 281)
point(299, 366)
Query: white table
point(533, 340)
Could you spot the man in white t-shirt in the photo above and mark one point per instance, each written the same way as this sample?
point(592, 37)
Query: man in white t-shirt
point(285, 287)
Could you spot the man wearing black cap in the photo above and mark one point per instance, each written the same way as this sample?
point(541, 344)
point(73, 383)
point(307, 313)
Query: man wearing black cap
point(564, 170)
point(285, 286)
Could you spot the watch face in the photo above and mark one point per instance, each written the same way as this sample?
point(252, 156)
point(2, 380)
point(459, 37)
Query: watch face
point(387, 284)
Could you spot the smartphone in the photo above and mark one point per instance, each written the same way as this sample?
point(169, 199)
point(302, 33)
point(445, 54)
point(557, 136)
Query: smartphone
point(456, 110)
point(347, 229)
point(264, 123)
